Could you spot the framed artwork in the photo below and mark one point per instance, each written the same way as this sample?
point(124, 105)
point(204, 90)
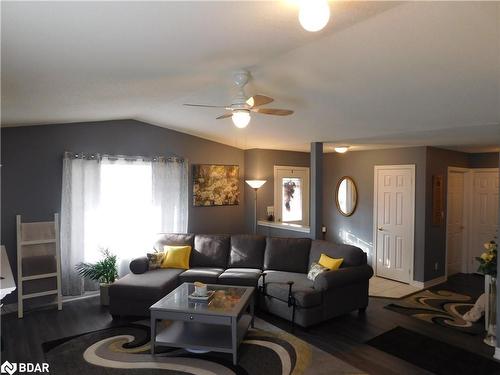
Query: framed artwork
point(437, 200)
point(216, 185)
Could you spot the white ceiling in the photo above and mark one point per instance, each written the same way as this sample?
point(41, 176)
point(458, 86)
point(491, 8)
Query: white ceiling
point(381, 73)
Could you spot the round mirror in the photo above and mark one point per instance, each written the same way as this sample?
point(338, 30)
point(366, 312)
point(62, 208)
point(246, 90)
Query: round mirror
point(346, 196)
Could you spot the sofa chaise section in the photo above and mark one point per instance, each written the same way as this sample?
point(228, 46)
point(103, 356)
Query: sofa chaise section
point(132, 295)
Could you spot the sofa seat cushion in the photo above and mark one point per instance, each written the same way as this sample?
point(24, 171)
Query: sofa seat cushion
point(150, 285)
point(240, 276)
point(247, 251)
point(303, 291)
point(206, 275)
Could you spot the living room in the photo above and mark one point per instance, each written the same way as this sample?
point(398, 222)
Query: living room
point(298, 187)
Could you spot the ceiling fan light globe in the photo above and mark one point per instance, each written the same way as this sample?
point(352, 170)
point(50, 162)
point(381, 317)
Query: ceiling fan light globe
point(241, 118)
point(314, 14)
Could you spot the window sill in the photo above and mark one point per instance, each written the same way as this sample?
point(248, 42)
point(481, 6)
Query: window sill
point(284, 226)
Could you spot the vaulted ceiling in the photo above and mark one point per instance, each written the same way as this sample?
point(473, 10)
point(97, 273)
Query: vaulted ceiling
point(380, 74)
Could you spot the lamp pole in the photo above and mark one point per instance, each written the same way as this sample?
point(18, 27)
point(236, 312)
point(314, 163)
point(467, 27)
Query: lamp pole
point(255, 212)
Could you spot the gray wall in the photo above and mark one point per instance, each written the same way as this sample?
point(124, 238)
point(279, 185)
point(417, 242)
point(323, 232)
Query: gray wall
point(32, 169)
point(438, 161)
point(259, 165)
point(484, 160)
point(360, 166)
point(430, 241)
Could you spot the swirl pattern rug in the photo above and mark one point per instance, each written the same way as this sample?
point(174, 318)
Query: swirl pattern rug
point(441, 307)
point(266, 350)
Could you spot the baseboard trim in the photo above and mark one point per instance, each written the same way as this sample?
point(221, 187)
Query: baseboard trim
point(429, 283)
point(12, 307)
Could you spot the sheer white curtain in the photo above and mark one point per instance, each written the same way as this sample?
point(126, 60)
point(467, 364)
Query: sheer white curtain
point(170, 194)
point(79, 217)
point(118, 203)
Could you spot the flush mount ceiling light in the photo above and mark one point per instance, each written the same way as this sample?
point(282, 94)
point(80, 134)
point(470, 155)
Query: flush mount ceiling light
point(314, 14)
point(241, 118)
point(341, 149)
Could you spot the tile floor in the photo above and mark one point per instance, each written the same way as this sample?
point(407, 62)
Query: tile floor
point(380, 287)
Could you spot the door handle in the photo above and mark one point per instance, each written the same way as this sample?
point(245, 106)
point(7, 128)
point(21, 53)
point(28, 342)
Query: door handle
point(380, 229)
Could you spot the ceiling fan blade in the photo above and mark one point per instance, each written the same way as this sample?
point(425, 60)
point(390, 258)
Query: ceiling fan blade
point(273, 111)
point(257, 100)
point(205, 106)
point(225, 115)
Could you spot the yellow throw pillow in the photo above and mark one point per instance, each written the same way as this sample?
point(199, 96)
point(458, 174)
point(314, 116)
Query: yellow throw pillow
point(177, 257)
point(330, 263)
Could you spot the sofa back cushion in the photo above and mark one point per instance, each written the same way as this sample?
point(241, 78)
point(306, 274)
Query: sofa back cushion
point(352, 255)
point(173, 239)
point(247, 251)
point(210, 250)
point(287, 254)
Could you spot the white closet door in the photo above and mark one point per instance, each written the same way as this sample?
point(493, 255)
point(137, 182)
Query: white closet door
point(484, 227)
point(394, 210)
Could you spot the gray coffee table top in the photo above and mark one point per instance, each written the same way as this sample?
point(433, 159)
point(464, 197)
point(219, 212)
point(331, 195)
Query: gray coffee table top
point(227, 301)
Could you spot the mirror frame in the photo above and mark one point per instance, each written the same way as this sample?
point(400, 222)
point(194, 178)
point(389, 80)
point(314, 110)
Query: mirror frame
point(337, 196)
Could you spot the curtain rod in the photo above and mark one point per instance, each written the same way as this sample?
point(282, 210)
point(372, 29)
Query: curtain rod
point(98, 156)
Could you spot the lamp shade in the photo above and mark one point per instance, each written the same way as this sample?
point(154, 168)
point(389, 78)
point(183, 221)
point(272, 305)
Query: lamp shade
point(255, 184)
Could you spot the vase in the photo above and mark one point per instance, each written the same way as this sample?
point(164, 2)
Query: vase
point(491, 338)
point(104, 289)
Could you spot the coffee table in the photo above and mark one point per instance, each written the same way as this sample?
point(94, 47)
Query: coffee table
point(219, 325)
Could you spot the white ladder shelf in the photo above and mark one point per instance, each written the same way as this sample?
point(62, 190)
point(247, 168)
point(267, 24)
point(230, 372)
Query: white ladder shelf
point(27, 247)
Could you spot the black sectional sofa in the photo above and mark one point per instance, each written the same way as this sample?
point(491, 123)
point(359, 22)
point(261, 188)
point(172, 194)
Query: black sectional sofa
point(251, 260)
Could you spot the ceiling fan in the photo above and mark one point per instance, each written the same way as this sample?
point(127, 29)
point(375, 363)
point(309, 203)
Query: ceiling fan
point(241, 106)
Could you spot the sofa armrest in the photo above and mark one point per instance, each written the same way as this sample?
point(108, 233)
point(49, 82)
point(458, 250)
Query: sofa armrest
point(139, 265)
point(343, 276)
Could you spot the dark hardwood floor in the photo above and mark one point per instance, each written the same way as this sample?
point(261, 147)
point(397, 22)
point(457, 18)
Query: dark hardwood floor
point(344, 336)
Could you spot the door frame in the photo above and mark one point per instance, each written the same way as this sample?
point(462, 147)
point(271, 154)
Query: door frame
point(306, 193)
point(412, 168)
point(466, 204)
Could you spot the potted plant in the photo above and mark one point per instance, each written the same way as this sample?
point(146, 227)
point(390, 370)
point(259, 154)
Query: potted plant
point(488, 266)
point(105, 272)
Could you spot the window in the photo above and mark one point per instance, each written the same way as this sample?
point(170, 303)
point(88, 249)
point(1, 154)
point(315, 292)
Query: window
point(117, 203)
point(128, 218)
point(291, 194)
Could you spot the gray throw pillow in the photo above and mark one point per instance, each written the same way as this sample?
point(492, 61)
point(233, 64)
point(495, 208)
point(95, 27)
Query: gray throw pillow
point(315, 270)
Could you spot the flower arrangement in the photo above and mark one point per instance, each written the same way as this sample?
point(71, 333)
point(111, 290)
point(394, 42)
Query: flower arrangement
point(488, 259)
point(289, 190)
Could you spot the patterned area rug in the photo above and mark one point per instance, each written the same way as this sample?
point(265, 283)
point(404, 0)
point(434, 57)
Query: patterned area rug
point(442, 307)
point(266, 350)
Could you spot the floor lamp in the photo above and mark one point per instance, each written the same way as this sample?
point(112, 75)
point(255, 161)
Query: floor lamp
point(256, 185)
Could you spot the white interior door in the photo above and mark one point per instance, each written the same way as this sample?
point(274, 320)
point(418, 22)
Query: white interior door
point(394, 217)
point(455, 222)
point(484, 212)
